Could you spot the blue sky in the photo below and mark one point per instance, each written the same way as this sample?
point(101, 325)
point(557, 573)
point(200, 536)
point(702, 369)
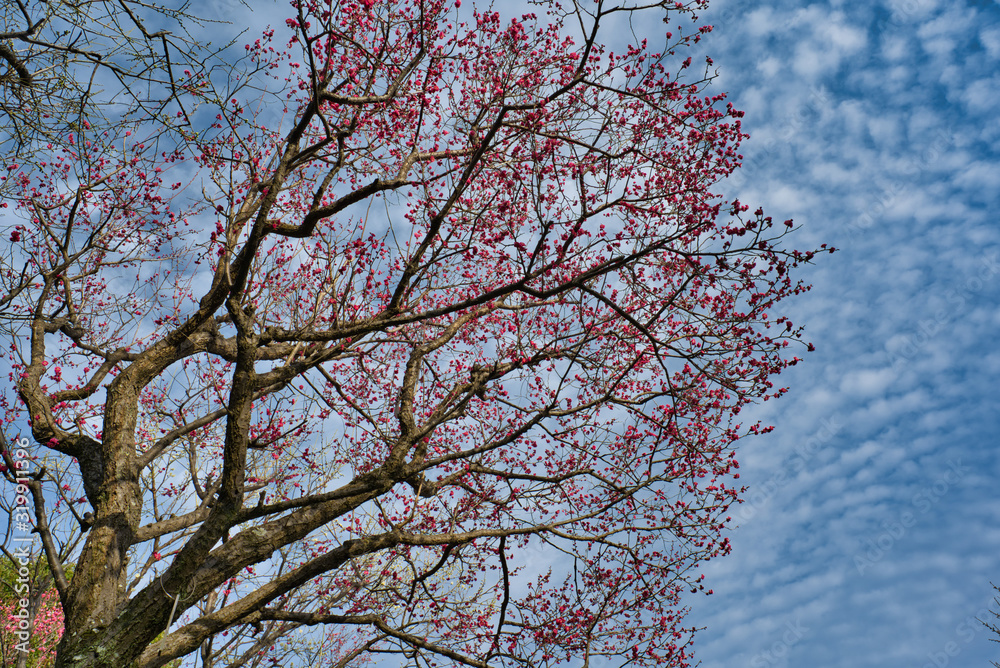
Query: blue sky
point(871, 533)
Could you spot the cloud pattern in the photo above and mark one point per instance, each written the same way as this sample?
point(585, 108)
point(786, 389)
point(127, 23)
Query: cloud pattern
point(870, 534)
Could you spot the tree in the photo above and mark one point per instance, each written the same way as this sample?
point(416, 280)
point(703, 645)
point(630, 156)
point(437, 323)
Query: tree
point(443, 362)
point(29, 602)
point(89, 62)
point(992, 626)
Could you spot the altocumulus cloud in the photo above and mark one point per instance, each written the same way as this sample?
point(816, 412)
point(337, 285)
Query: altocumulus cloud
point(870, 533)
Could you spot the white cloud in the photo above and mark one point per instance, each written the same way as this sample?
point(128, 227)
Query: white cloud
point(830, 42)
point(980, 175)
point(989, 37)
point(981, 95)
point(866, 383)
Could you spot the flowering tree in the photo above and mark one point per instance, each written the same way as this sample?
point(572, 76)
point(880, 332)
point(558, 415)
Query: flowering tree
point(57, 56)
point(30, 615)
point(46, 629)
point(440, 361)
point(993, 627)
